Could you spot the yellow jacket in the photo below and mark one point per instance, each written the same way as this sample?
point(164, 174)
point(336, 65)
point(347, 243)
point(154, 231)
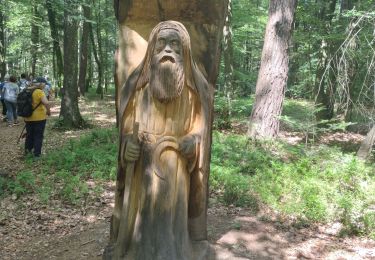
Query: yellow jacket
point(40, 113)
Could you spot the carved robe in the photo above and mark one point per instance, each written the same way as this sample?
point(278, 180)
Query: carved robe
point(160, 194)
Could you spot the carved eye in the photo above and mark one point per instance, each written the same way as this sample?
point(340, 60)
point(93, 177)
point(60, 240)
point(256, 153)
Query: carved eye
point(175, 44)
point(160, 44)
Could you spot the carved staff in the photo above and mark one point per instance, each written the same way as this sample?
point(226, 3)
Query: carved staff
point(123, 234)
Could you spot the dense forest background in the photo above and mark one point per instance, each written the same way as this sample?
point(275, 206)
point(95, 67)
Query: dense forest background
point(313, 171)
point(331, 51)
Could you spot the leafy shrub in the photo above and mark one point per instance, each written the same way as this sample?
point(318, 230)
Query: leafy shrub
point(23, 183)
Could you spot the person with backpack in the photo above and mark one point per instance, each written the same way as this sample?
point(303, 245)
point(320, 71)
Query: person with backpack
point(36, 122)
point(10, 92)
point(4, 112)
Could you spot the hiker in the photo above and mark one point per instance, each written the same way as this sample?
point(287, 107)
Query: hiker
point(10, 92)
point(36, 123)
point(23, 82)
point(4, 112)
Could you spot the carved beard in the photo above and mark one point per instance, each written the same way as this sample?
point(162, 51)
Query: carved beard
point(167, 79)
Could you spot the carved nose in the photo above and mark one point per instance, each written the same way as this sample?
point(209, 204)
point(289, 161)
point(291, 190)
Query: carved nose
point(168, 49)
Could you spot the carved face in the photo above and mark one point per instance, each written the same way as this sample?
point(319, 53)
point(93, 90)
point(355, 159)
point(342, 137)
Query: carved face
point(168, 46)
point(167, 75)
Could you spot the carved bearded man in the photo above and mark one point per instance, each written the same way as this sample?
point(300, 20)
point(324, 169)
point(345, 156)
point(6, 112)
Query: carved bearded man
point(163, 201)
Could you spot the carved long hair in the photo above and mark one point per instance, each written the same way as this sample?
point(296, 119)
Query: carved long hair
point(144, 76)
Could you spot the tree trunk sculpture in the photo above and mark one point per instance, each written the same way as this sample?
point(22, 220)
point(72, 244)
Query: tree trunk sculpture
point(166, 87)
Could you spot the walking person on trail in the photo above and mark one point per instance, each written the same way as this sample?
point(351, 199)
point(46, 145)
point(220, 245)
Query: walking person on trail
point(4, 112)
point(10, 92)
point(36, 123)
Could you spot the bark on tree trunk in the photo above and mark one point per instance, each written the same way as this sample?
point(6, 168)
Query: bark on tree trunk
point(70, 114)
point(273, 73)
point(84, 49)
point(367, 144)
point(56, 42)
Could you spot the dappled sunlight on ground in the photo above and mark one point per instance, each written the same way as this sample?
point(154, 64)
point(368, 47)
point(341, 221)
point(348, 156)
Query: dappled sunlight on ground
point(248, 237)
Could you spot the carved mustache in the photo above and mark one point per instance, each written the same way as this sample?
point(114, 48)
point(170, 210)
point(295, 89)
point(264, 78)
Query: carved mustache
point(166, 58)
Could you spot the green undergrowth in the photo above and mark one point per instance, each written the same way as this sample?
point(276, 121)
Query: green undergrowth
point(65, 173)
point(312, 184)
point(319, 184)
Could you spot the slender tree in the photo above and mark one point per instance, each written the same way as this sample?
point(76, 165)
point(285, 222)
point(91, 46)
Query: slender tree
point(57, 55)
point(34, 38)
point(69, 113)
point(228, 65)
point(97, 50)
point(273, 73)
point(84, 51)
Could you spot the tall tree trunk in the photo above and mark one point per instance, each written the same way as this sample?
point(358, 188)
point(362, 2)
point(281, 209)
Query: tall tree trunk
point(273, 73)
point(99, 89)
point(34, 39)
point(89, 69)
point(228, 68)
point(367, 144)
point(2, 43)
point(98, 52)
point(84, 49)
point(59, 66)
point(70, 114)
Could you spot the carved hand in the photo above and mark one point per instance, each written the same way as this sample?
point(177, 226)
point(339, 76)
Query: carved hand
point(132, 151)
point(187, 145)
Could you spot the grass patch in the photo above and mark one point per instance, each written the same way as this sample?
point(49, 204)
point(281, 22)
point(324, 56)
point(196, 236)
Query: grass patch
point(318, 184)
point(63, 174)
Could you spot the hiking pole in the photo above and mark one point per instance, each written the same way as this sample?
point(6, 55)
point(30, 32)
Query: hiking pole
point(124, 227)
point(19, 138)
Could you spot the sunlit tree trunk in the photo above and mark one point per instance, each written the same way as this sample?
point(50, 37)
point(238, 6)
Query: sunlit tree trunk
point(367, 144)
point(70, 114)
point(228, 67)
point(84, 49)
point(273, 73)
point(58, 60)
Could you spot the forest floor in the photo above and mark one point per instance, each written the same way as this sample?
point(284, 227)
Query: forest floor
point(33, 230)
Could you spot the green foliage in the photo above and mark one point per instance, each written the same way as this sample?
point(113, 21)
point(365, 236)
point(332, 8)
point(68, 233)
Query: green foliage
point(24, 182)
point(239, 112)
point(64, 173)
point(316, 184)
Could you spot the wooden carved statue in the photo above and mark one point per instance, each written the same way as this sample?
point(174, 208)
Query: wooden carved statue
point(165, 119)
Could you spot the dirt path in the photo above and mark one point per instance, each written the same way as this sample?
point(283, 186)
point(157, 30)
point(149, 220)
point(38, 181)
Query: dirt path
point(30, 230)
